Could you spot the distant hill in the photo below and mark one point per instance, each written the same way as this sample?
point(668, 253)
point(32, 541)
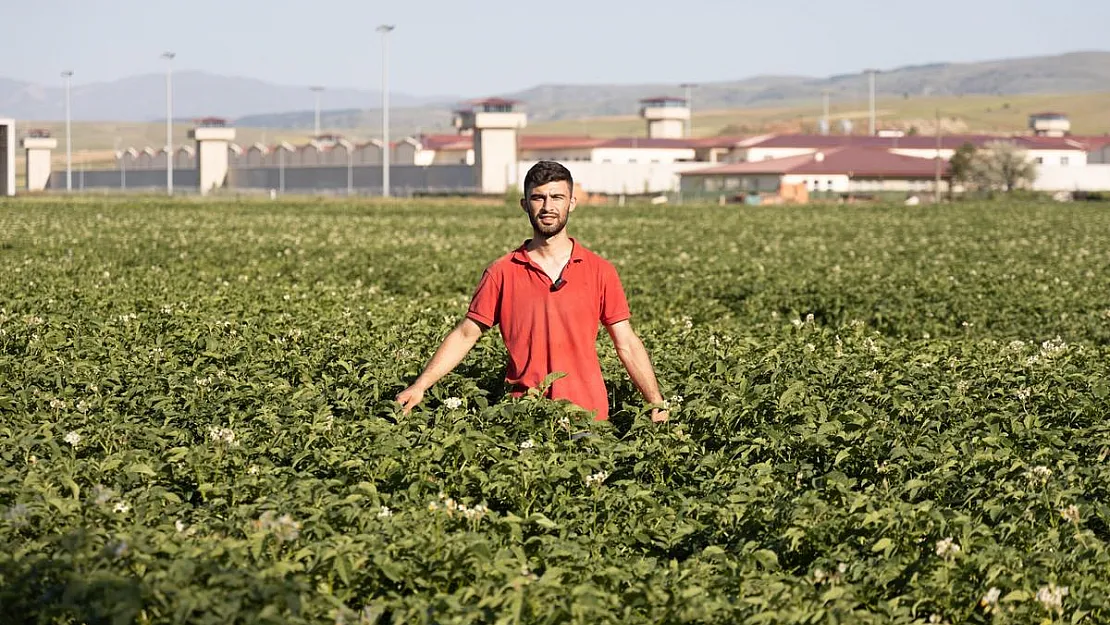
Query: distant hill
point(253, 103)
point(196, 94)
point(1078, 72)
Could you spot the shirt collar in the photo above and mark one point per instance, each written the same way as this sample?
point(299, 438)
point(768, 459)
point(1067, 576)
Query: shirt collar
point(520, 254)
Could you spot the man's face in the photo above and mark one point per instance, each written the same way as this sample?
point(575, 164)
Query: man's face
point(548, 207)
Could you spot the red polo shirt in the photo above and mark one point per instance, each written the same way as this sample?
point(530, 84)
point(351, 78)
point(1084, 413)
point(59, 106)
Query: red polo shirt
point(547, 331)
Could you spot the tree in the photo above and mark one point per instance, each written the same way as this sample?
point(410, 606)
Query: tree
point(960, 164)
point(1002, 165)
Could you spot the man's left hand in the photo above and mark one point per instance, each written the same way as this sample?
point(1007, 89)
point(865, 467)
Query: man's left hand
point(659, 416)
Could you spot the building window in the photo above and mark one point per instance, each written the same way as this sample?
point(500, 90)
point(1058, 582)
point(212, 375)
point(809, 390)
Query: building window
point(1040, 160)
point(1064, 160)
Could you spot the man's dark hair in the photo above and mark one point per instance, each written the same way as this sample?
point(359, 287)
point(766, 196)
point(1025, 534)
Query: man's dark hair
point(544, 172)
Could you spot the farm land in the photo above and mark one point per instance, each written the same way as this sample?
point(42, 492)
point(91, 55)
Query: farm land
point(880, 414)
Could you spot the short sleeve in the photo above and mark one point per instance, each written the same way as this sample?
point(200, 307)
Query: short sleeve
point(614, 304)
point(485, 305)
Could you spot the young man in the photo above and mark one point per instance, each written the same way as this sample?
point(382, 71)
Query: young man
point(548, 297)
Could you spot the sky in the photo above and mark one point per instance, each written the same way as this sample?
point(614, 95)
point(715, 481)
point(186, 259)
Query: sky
point(490, 47)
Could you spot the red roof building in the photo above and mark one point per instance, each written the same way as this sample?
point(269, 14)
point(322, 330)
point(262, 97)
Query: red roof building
point(838, 170)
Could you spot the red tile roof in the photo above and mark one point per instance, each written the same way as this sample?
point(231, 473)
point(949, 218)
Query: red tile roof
point(493, 102)
point(916, 142)
point(644, 142)
point(558, 142)
point(857, 162)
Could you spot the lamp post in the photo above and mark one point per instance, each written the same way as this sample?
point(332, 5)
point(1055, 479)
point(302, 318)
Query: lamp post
point(69, 151)
point(872, 73)
point(385, 29)
point(689, 105)
point(169, 56)
point(825, 119)
point(317, 90)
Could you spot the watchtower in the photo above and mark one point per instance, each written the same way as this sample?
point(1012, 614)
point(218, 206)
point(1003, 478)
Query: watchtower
point(38, 145)
point(212, 136)
point(666, 116)
point(494, 123)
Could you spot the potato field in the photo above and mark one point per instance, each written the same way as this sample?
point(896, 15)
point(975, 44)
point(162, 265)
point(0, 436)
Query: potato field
point(878, 415)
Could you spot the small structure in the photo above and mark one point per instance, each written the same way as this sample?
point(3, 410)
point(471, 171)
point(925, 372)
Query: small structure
point(666, 117)
point(495, 125)
point(38, 145)
point(836, 171)
point(1050, 124)
point(7, 157)
point(213, 137)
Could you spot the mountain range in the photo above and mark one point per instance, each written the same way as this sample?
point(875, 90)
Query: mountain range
point(249, 102)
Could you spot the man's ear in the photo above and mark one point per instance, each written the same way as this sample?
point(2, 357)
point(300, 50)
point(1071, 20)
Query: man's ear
point(573, 202)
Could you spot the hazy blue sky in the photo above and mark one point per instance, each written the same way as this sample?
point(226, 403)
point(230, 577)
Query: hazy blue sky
point(494, 46)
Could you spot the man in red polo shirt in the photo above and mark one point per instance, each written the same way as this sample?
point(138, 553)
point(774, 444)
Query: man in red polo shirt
point(548, 298)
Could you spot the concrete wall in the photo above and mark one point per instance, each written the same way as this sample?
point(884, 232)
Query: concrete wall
point(1066, 158)
point(37, 169)
point(403, 179)
point(642, 155)
point(1071, 178)
point(495, 151)
point(183, 179)
point(617, 178)
point(666, 129)
point(823, 183)
point(7, 157)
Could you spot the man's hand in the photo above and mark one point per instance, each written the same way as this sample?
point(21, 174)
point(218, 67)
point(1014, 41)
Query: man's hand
point(450, 353)
point(410, 397)
point(659, 416)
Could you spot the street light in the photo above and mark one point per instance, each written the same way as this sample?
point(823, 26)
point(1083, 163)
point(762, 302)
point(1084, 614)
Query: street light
point(689, 105)
point(169, 56)
point(317, 89)
point(872, 72)
point(69, 152)
point(385, 29)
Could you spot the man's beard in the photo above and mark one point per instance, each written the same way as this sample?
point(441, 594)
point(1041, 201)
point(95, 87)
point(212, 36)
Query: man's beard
point(548, 231)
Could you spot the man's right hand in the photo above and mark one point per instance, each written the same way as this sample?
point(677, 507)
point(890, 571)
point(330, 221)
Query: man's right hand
point(410, 397)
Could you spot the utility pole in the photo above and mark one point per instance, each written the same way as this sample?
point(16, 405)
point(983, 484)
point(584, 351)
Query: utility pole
point(169, 56)
point(936, 182)
point(69, 136)
point(317, 89)
point(825, 98)
point(385, 29)
point(872, 73)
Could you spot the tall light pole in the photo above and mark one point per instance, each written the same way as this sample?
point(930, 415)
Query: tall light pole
point(385, 29)
point(69, 151)
point(825, 118)
point(872, 73)
point(690, 106)
point(169, 56)
point(317, 89)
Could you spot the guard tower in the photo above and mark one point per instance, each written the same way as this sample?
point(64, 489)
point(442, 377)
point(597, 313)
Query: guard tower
point(666, 117)
point(7, 157)
point(494, 124)
point(38, 144)
point(212, 136)
point(1049, 124)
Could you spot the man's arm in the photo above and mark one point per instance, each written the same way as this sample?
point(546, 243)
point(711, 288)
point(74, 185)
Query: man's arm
point(456, 345)
point(635, 359)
